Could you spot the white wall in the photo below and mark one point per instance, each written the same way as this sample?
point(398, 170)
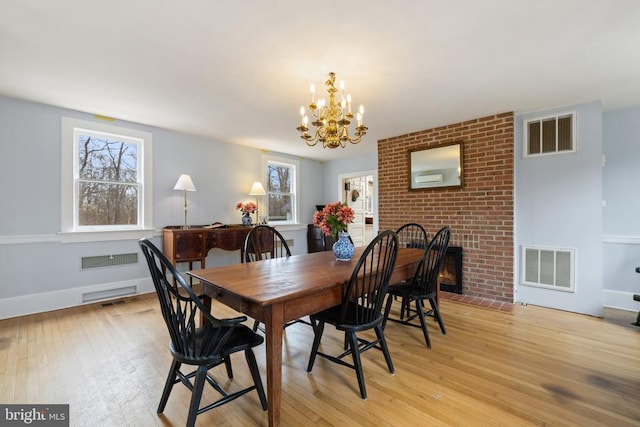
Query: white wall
point(40, 273)
point(621, 180)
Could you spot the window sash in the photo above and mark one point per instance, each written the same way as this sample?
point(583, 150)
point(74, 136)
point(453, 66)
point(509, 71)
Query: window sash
point(278, 196)
point(80, 218)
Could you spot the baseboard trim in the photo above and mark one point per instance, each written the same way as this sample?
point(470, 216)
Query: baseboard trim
point(65, 298)
point(620, 300)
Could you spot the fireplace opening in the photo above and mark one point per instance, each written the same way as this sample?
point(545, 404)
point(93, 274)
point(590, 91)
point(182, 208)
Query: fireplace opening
point(451, 274)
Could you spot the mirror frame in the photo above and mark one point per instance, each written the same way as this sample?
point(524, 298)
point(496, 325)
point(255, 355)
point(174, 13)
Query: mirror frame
point(441, 182)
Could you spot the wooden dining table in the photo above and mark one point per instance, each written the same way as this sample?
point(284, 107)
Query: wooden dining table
point(279, 290)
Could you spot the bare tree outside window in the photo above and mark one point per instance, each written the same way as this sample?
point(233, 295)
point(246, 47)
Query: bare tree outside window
point(108, 188)
point(280, 191)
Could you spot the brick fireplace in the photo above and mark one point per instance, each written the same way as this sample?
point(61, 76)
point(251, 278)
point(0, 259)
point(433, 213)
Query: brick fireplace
point(450, 278)
point(480, 214)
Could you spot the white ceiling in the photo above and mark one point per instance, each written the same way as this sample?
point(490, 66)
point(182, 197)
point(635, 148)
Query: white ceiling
point(239, 70)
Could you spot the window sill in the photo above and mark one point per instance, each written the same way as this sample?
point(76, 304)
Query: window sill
point(104, 236)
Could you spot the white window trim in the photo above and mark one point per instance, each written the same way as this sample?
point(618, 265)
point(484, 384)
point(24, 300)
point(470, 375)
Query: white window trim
point(286, 160)
point(70, 234)
point(574, 133)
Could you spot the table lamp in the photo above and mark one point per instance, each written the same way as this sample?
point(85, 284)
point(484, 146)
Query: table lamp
point(257, 190)
point(186, 184)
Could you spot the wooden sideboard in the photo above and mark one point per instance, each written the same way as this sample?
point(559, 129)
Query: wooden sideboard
point(193, 244)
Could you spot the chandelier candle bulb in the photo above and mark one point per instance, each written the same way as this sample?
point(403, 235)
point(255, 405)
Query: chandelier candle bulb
point(313, 93)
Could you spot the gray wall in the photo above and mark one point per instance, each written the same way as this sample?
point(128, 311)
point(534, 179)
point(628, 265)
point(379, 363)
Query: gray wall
point(559, 205)
point(38, 271)
point(621, 228)
point(36, 266)
point(335, 168)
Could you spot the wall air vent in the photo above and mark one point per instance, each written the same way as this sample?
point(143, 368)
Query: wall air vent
point(551, 268)
point(109, 293)
point(108, 260)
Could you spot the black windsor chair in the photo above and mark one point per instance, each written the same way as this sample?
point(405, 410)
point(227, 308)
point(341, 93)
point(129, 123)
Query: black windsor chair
point(410, 235)
point(265, 242)
point(361, 307)
point(206, 346)
point(423, 286)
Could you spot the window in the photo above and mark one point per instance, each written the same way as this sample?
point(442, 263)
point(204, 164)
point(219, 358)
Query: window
point(106, 178)
point(107, 174)
point(547, 135)
point(551, 268)
point(282, 189)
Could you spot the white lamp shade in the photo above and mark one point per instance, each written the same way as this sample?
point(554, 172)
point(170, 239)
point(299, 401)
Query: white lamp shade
point(185, 183)
point(257, 189)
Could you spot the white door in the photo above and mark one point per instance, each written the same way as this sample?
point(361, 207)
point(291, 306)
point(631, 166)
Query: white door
point(354, 198)
point(356, 189)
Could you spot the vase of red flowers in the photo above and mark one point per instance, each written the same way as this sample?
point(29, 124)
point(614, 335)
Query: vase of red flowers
point(247, 208)
point(333, 220)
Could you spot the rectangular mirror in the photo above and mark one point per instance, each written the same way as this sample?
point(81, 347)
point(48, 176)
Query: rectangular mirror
point(436, 167)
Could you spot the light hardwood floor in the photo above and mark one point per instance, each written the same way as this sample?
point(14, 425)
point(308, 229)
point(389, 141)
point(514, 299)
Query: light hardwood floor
point(533, 366)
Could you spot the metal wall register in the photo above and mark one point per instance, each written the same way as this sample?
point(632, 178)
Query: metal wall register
point(34, 415)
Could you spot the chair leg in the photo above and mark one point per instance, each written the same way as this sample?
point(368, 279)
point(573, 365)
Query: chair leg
point(404, 308)
point(168, 385)
point(420, 309)
point(387, 309)
point(227, 364)
point(385, 349)
point(318, 330)
point(357, 363)
point(196, 395)
point(255, 325)
point(436, 314)
point(255, 374)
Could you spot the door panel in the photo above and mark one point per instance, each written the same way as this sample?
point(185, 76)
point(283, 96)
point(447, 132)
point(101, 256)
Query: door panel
point(356, 190)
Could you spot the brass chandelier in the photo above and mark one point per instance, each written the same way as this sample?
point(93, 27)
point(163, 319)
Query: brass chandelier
point(331, 121)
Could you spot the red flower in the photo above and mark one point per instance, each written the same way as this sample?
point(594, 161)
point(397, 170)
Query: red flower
point(333, 218)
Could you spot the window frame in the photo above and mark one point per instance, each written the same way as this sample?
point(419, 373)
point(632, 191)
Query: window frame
point(542, 118)
point(295, 164)
point(70, 230)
